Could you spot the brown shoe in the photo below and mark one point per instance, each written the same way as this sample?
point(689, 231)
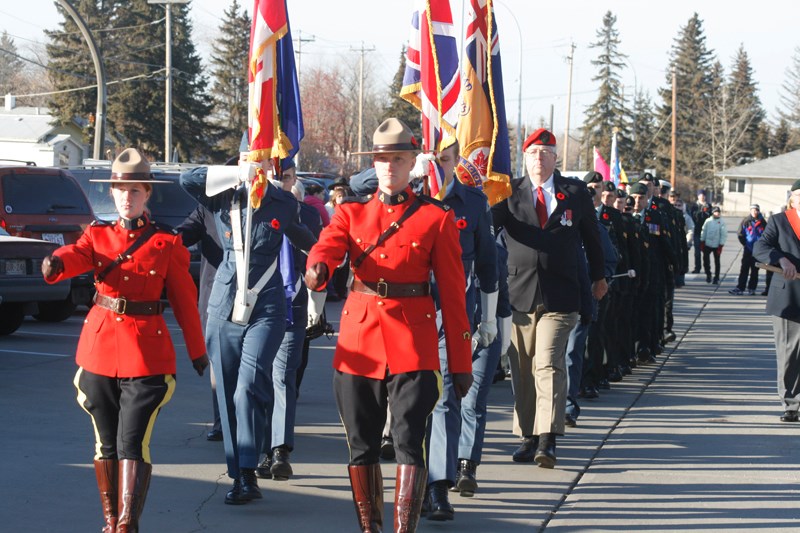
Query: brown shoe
point(366, 482)
point(134, 480)
point(105, 470)
point(408, 495)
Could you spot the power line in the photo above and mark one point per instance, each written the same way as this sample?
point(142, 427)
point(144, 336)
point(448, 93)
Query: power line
point(87, 87)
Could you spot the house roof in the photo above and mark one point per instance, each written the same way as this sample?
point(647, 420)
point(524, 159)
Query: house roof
point(25, 124)
point(784, 166)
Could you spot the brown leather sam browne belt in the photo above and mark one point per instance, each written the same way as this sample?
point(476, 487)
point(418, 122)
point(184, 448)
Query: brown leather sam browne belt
point(384, 289)
point(121, 306)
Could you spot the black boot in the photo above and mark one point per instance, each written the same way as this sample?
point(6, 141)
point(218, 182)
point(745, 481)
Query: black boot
point(441, 509)
point(281, 469)
point(466, 483)
point(546, 451)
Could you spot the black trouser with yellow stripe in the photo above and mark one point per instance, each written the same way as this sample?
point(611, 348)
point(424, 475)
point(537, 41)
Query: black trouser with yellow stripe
point(123, 411)
point(362, 406)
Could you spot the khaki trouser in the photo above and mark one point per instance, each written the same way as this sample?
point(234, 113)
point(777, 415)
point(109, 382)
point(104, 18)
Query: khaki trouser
point(539, 370)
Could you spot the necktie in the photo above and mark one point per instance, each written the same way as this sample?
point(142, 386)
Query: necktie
point(541, 209)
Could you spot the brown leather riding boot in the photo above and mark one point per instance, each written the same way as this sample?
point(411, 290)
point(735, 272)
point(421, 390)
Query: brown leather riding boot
point(408, 495)
point(366, 482)
point(134, 480)
point(105, 470)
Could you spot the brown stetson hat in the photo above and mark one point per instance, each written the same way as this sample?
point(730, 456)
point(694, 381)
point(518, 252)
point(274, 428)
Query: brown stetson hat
point(392, 136)
point(130, 167)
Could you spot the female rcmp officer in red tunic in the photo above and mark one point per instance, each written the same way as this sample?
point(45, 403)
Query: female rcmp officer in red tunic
point(125, 353)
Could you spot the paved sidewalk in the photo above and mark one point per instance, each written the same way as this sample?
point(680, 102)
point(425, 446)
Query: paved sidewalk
point(692, 443)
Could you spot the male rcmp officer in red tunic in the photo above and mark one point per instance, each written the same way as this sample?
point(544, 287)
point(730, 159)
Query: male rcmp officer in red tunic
point(125, 352)
point(388, 344)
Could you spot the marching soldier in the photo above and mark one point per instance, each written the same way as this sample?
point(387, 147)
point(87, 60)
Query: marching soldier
point(387, 346)
point(631, 286)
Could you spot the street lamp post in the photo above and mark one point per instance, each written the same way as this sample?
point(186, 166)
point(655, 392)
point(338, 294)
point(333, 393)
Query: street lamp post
point(168, 77)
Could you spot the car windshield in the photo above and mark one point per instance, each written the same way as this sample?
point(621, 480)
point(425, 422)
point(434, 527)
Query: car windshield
point(31, 194)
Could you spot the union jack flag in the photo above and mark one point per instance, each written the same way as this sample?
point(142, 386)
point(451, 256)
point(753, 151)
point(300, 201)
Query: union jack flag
point(485, 160)
point(274, 119)
point(431, 81)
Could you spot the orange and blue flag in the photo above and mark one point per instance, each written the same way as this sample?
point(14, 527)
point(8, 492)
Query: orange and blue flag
point(431, 81)
point(485, 160)
point(275, 120)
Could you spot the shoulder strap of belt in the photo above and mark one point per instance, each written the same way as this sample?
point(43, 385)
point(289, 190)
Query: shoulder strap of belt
point(391, 230)
point(121, 258)
point(238, 247)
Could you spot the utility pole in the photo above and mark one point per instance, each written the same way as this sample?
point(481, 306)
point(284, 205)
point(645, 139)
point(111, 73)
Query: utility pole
point(299, 52)
point(168, 78)
point(674, 127)
point(570, 59)
point(363, 51)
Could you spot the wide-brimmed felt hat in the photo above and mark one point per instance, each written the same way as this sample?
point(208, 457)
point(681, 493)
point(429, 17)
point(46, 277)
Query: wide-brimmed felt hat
point(393, 135)
point(130, 167)
point(339, 182)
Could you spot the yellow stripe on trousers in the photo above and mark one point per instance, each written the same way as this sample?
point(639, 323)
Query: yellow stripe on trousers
point(170, 381)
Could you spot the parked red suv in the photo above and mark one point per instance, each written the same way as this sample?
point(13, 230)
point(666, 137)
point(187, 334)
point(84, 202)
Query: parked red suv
point(47, 204)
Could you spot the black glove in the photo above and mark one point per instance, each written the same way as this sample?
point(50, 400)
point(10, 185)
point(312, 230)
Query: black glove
point(52, 265)
point(200, 364)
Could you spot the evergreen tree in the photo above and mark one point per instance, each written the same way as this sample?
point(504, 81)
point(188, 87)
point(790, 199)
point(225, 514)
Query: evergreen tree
point(780, 140)
point(399, 108)
point(790, 98)
point(742, 89)
point(691, 60)
point(608, 112)
point(10, 65)
point(229, 68)
point(641, 154)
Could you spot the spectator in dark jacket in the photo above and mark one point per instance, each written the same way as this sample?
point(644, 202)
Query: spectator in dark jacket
point(750, 230)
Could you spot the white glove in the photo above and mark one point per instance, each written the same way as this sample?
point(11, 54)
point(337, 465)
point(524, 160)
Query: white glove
point(487, 329)
point(316, 305)
point(422, 166)
point(505, 334)
point(631, 273)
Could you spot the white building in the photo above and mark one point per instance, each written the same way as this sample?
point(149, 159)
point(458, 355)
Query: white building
point(766, 183)
point(28, 135)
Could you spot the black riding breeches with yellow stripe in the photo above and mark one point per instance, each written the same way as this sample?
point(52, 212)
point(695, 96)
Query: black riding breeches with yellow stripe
point(123, 411)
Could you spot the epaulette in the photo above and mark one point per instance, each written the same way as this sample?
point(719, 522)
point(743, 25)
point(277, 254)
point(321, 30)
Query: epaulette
point(164, 227)
point(355, 199)
point(97, 223)
point(433, 201)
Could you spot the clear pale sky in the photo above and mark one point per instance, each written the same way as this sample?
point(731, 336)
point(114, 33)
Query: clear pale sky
point(768, 30)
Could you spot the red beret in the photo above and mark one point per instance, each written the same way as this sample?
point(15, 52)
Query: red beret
point(540, 136)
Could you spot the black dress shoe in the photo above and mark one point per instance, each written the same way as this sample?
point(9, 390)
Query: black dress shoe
point(659, 349)
point(696, 271)
point(603, 384)
point(625, 370)
point(789, 416)
point(669, 336)
point(235, 496)
point(614, 375)
point(215, 435)
point(441, 509)
point(387, 449)
point(589, 392)
point(281, 469)
point(715, 281)
point(632, 362)
point(526, 451)
point(708, 278)
point(250, 489)
point(570, 421)
point(466, 484)
point(263, 469)
point(546, 451)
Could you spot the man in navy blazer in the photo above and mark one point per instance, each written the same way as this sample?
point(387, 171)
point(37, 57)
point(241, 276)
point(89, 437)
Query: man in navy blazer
point(545, 219)
point(779, 245)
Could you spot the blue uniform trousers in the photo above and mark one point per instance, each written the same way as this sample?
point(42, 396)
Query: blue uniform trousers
point(473, 405)
point(444, 426)
point(281, 411)
point(242, 359)
point(576, 348)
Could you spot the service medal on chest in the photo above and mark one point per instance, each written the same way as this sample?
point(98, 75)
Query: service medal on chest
point(566, 218)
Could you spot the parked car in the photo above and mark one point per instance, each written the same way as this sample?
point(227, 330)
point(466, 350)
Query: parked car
point(322, 179)
point(47, 204)
point(23, 290)
point(169, 204)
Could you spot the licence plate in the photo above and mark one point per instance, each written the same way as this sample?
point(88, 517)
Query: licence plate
point(15, 267)
point(57, 238)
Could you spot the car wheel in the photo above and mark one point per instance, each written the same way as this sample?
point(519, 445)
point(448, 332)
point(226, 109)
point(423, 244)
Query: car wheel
point(57, 311)
point(11, 317)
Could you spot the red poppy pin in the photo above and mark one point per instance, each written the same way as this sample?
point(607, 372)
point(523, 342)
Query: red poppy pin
point(461, 223)
point(647, 219)
point(605, 216)
point(560, 195)
point(159, 244)
point(275, 224)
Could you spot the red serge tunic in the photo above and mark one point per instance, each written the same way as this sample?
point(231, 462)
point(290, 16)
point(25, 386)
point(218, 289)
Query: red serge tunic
point(398, 332)
point(123, 345)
